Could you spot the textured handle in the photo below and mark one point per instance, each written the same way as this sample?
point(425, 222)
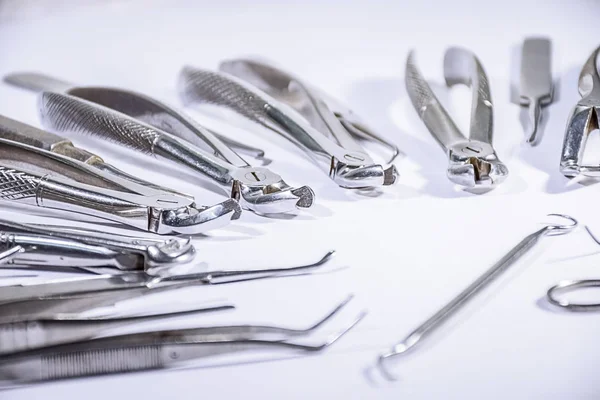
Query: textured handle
point(20, 336)
point(101, 361)
point(201, 86)
point(17, 185)
point(64, 113)
point(430, 110)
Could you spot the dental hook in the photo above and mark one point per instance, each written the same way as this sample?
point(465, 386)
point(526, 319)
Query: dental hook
point(435, 321)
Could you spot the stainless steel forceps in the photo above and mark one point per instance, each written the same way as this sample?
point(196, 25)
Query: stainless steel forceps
point(326, 133)
point(34, 245)
point(152, 127)
point(158, 349)
point(45, 170)
point(583, 121)
point(472, 162)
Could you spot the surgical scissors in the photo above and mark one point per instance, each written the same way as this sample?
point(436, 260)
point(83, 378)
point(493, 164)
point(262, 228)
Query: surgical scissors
point(435, 321)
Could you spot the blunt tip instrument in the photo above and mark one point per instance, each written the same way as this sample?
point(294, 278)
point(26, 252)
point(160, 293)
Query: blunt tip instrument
point(472, 162)
point(450, 309)
point(583, 120)
point(344, 160)
point(536, 86)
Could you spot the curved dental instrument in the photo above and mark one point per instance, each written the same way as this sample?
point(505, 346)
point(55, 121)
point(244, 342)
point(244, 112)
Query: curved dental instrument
point(472, 162)
point(54, 329)
point(536, 86)
point(582, 122)
point(45, 170)
point(133, 280)
point(512, 257)
point(152, 350)
point(152, 127)
point(35, 245)
point(343, 160)
point(555, 294)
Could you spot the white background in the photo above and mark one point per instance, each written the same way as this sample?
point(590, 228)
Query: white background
point(410, 249)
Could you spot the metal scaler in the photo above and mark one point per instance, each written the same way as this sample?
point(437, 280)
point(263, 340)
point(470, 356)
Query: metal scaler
point(583, 121)
point(472, 162)
point(445, 313)
point(297, 112)
point(152, 127)
point(536, 86)
point(44, 170)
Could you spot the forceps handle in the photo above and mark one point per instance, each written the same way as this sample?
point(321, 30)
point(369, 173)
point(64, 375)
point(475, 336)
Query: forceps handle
point(65, 113)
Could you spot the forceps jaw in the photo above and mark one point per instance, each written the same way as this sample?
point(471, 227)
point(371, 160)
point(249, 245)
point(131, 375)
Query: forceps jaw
point(193, 219)
point(473, 164)
point(583, 121)
point(264, 192)
point(351, 176)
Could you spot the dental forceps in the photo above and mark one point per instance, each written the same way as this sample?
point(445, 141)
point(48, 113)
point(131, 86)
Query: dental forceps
point(511, 258)
point(582, 122)
point(328, 138)
point(40, 169)
point(158, 349)
point(152, 127)
point(49, 246)
point(555, 294)
point(472, 162)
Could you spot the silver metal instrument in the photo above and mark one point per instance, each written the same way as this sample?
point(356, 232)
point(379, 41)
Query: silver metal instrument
point(158, 349)
point(556, 295)
point(152, 127)
point(40, 169)
point(511, 258)
point(60, 288)
point(536, 86)
point(472, 162)
point(48, 246)
point(328, 138)
point(582, 122)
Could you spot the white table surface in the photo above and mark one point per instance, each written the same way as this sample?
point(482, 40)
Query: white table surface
point(409, 250)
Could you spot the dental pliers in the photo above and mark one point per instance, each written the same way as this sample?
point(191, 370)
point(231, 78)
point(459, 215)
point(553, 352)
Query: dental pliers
point(583, 120)
point(152, 127)
point(45, 170)
point(472, 162)
point(326, 131)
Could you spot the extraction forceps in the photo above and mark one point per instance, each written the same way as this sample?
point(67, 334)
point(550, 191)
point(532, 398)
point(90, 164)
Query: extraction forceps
point(329, 139)
point(152, 127)
point(34, 245)
point(158, 349)
point(510, 259)
point(472, 162)
point(583, 121)
point(42, 169)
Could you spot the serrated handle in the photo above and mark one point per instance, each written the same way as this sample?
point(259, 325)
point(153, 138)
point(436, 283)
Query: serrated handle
point(100, 362)
point(64, 113)
point(18, 185)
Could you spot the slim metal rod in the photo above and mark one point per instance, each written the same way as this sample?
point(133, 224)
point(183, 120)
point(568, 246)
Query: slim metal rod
point(435, 321)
